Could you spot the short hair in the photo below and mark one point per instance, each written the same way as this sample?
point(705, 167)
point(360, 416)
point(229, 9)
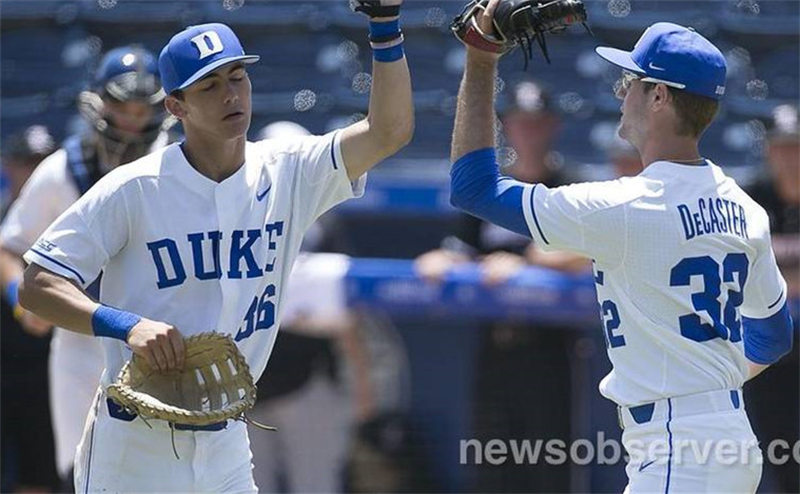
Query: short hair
point(695, 112)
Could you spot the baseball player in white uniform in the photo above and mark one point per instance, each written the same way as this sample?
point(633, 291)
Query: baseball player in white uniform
point(124, 110)
point(201, 236)
point(692, 302)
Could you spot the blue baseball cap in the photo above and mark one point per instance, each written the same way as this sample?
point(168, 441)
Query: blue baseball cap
point(196, 52)
point(675, 55)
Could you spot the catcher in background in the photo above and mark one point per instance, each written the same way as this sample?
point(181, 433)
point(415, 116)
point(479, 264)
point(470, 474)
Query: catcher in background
point(124, 109)
point(693, 303)
point(201, 236)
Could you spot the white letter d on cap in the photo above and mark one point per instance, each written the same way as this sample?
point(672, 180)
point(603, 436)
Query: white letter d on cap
point(208, 43)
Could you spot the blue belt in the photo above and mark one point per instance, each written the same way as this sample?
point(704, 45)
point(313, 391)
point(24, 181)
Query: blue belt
point(116, 411)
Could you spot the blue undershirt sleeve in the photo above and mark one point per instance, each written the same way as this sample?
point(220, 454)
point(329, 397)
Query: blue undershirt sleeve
point(767, 340)
point(477, 187)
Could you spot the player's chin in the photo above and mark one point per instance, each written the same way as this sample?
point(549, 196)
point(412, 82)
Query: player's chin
point(622, 130)
point(236, 125)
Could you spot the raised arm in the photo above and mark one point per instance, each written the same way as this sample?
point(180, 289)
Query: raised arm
point(389, 124)
point(475, 116)
point(476, 185)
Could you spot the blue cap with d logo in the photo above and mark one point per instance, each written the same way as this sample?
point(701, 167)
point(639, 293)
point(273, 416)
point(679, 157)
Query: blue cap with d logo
point(677, 55)
point(196, 52)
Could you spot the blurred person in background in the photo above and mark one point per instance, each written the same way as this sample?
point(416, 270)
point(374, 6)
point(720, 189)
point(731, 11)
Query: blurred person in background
point(21, 153)
point(126, 120)
point(27, 451)
point(774, 399)
point(305, 393)
point(518, 362)
point(531, 126)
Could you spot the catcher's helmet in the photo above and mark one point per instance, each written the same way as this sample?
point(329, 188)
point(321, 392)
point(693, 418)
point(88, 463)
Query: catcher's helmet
point(125, 74)
point(129, 73)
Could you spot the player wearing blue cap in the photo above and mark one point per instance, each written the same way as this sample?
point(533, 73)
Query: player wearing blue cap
point(201, 236)
point(691, 299)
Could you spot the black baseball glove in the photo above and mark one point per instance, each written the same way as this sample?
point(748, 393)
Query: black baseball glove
point(517, 23)
point(377, 8)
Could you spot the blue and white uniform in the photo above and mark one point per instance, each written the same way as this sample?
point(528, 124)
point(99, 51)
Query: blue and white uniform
point(687, 284)
point(178, 247)
point(688, 290)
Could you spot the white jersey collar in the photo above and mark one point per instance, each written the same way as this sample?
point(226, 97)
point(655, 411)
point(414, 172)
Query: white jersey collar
point(189, 176)
point(661, 167)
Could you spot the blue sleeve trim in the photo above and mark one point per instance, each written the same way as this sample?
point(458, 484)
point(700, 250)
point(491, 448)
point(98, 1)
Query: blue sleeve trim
point(535, 219)
point(333, 151)
point(59, 263)
point(669, 434)
point(477, 187)
point(767, 340)
point(773, 304)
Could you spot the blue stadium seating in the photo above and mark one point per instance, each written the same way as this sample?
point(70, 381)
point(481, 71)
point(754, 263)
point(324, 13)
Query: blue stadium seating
point(321, 47)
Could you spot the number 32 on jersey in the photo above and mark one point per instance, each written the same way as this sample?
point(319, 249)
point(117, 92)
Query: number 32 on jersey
point(725, 323)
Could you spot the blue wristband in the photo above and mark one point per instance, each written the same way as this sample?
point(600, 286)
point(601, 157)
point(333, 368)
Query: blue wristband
point(388, 54)
point(113, 323)
point(378, 30)
point(12, 293)
point(386, 40)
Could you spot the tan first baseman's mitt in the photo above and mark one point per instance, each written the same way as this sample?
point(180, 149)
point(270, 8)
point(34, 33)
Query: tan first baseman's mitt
point(214, 385)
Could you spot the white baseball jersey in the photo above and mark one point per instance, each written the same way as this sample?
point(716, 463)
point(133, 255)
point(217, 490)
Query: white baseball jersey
point(177, 247)
point(681, 253)
point(48, 192)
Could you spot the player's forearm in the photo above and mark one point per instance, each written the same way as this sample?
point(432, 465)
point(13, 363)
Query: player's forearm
point(389, 125)
point(390, 118)
point(56, 299)
point(391, 106)
point(474, 122)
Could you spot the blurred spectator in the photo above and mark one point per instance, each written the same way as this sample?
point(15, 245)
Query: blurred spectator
point(778, 191)
point(26, 443)
point(773, 398)
point(303, 391)
point(518, 364)
point(531, 126)
point(126, 120)
point(21, 153)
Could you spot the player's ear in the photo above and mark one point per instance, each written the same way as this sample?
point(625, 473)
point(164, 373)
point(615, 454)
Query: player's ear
point(174, 105)
point(660, 97)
